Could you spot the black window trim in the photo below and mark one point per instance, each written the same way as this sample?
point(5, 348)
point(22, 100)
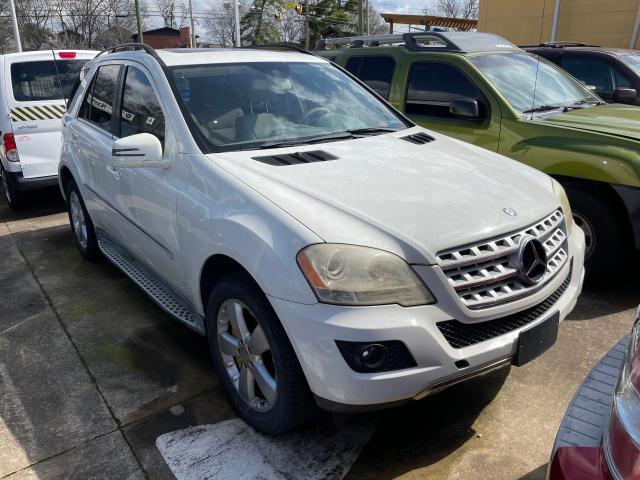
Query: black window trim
point(481, 121)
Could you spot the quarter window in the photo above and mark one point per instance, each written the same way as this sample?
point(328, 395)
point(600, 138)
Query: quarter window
point(141, 111)
point(375, 71)
point(97, 107)
point(432, 87)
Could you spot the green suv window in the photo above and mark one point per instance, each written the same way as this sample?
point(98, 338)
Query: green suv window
point(375, 71)
point(432, 87)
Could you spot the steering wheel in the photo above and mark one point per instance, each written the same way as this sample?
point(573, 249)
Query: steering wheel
point(315, 111)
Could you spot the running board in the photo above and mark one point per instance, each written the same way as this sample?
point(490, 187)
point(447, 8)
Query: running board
point(151, 285)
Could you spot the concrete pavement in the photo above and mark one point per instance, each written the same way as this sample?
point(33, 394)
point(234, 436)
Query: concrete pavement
point(92, 373)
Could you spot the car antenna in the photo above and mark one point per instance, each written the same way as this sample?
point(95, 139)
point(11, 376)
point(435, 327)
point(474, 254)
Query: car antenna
point(55, 63)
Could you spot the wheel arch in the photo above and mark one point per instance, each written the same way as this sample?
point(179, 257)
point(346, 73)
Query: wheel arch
point(65, 176)
point(214, 269)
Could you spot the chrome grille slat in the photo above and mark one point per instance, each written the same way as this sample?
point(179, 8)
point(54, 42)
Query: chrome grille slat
point(487, 273)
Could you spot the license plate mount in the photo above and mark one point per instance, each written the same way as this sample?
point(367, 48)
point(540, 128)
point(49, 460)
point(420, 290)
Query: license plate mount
point(534, 341)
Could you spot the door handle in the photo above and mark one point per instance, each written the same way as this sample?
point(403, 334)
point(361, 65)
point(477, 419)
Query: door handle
point(113, 171)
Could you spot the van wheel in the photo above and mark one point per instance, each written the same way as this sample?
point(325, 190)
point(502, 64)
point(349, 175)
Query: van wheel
point(606, 245)
point(14, 198)
point(84, 235)
point(254, 359)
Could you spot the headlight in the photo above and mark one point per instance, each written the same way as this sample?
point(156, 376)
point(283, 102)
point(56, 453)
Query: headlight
point(352, 275)
point(561, 195)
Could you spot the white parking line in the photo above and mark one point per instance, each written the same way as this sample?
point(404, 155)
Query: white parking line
point(233, 450)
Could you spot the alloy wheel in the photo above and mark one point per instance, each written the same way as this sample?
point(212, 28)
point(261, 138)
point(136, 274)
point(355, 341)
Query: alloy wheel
point(246, 355)
point(78, 220)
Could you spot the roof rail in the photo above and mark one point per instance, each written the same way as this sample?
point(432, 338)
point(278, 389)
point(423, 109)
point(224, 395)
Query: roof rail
point(415, 41)
point(279, 47)
point(561, 44)
point(131, 46)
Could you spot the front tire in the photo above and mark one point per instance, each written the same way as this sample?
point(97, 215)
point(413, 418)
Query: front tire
point(254, 359)
point(606, 242)
point(82, 229)
point(14, 198)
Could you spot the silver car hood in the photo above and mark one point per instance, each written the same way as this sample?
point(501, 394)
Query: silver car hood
point(385, 192)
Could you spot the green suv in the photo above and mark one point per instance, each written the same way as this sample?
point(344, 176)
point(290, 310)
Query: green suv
point(482, 89)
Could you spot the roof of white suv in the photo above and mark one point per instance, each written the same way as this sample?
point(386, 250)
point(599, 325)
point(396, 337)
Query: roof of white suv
point(198, 56)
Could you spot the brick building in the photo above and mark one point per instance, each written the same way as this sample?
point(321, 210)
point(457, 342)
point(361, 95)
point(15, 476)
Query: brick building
point(166, 37)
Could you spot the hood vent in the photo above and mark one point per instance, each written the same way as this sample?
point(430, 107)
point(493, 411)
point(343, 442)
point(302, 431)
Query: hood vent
point(296, 158)
point(418, 138)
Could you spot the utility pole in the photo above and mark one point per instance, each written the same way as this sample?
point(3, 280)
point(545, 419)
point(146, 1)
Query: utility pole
point(361, 18)
point(554, 28)
point(306, 24)
point(236, 22)
point(193, 27)
point(138, 22)
point(16, 31)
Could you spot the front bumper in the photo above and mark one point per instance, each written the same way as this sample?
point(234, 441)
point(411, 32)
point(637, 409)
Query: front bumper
point(17, 181)
point(313, 330)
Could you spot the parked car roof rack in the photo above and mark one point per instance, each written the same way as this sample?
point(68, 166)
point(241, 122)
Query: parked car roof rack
point(562, 44)
point(424, 41)
point(132, 46)
point(280, 47)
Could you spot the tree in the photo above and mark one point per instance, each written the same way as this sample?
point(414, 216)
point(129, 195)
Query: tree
point(219, 22)
point(455, 9)
point(33, 21)
point(173, 12)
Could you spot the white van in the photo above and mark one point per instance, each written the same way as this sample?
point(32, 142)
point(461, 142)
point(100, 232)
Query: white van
point(34, 87)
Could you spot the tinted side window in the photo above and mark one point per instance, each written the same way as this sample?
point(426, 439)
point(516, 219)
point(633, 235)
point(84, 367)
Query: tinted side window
point(376, 72)
point(593, 72)
point(98, 104)
point(33, 81)
point(141, 112)
point(432, 86)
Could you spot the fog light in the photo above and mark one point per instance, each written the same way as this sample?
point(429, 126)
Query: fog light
point(373, 356)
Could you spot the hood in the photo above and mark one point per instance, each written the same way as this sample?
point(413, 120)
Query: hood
point(616, 119)
point(387, 193)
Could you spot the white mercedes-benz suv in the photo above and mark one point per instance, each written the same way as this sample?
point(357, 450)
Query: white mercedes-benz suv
point(333, 253)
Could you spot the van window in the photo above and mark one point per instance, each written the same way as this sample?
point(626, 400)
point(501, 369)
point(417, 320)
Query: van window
point(433, 85)
point(97, 107)
point(141, 111)
point(34, 81)
point(375, 71)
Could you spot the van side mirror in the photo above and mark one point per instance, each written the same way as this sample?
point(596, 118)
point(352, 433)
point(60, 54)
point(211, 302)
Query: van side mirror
point(138, 151)
point(625, 95)
point(465, 108)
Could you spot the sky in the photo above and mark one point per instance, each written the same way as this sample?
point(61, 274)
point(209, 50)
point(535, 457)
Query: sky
point(412, 7)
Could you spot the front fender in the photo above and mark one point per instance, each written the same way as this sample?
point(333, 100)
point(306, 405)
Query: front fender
point(219, 215)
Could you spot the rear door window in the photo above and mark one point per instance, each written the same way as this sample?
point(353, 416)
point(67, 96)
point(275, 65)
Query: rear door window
point(141, 111)
point(375, 71)
point(432, 87)
point(596, 72)
point(97, 107)
point(35, 81)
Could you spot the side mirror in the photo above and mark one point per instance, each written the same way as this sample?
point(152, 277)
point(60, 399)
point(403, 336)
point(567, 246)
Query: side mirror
point(465, 108)
point(138, 151)
point(625, 95)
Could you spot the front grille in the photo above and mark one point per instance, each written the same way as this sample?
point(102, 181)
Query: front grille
point(460, 335)
point(488, 273)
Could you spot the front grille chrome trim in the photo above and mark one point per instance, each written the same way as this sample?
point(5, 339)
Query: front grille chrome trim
point(487, 274)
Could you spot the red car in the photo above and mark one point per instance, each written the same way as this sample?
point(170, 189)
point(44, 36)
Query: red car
point(599, 437)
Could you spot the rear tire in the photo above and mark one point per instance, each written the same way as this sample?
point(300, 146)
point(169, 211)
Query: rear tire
point(251, 350)
point(607, 249)
point(82, 229)
point(14, 198)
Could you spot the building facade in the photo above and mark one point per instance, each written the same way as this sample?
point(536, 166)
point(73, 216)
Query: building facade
point(610, 23)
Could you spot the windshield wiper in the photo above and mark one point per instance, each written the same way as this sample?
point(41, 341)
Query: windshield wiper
point(587, 102)
point(331, 137)
point(372, 130)
point(544, 108)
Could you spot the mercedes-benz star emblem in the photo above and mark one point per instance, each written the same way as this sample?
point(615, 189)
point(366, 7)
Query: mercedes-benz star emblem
point(533, 260)
point(510, 211)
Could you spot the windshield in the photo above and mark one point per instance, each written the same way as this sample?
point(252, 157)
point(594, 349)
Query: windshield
point(514, 75)
point(632, 61)
point(253, 105)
